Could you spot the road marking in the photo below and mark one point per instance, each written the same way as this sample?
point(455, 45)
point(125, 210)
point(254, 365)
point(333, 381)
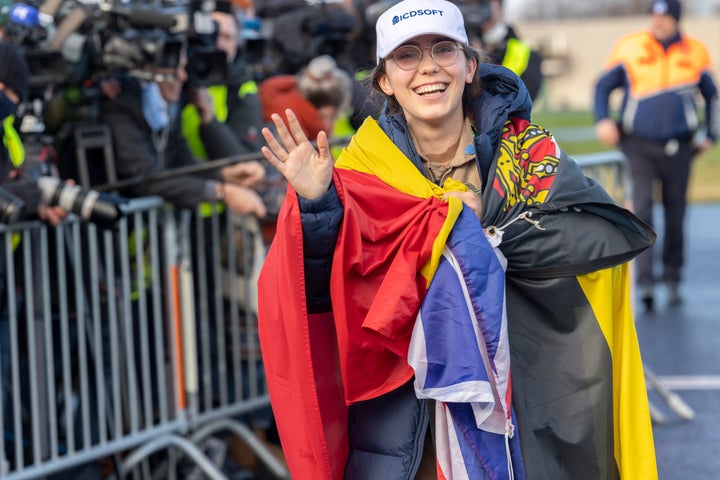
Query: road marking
point(690, 382)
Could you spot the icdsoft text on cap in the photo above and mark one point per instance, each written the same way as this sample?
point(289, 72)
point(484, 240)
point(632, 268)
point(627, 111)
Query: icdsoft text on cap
point(412, 18)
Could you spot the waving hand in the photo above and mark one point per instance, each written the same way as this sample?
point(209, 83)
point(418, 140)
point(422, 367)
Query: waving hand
point(308, 170)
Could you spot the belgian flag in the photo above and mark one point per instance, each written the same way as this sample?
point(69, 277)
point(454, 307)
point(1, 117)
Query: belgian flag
point(578, 386)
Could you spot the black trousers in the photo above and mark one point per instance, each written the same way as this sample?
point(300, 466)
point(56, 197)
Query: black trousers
point(664, 166)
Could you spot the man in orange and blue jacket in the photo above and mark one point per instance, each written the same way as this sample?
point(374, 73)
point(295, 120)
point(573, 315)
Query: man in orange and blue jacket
point(661, 71)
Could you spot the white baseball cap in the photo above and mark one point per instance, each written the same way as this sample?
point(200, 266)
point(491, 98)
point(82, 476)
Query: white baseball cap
point(412, 18)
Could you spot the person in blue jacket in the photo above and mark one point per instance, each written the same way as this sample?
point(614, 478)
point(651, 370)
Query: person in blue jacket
point(661, 72)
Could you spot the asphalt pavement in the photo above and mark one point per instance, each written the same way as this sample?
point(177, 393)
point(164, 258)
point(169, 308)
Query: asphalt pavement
point(681, 347)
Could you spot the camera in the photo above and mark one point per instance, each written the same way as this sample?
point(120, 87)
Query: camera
point(206, 66)
point(305, 32)
point(90, 205)
point(12, 207)
point(76, 43)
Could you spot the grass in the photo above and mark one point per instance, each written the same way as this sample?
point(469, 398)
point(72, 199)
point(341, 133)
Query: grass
point(705, 176)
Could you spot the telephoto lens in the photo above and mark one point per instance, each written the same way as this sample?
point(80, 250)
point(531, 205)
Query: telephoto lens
point(89, 205)
point(12, 207)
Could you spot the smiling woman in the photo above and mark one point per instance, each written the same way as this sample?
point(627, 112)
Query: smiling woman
point(450, 239)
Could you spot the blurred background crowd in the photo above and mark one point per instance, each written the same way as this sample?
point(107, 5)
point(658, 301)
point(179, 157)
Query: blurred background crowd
point(117, 92)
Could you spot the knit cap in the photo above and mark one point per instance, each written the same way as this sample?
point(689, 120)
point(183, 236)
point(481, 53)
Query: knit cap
point(14, 72)
point(667, 7)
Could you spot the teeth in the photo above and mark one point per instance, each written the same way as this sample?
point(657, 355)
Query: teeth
point(430, 89)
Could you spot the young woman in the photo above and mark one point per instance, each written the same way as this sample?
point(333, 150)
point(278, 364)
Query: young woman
point(451, 239)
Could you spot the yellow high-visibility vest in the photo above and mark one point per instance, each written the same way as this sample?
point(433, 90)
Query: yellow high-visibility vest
point(517, 56)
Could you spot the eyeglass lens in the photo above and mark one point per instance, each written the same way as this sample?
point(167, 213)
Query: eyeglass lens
point(408, 57)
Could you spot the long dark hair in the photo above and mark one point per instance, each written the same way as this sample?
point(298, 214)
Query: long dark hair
point(471, 92)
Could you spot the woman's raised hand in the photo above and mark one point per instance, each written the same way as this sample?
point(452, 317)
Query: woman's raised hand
point(308, 170)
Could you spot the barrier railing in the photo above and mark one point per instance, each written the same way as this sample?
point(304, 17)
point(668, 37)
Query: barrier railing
point(119, 342)
point(610, 169)
point(231, 396)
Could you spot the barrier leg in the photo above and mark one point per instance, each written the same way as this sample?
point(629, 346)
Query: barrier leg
point(249, 437)
point(673, 400)
point(190, 449)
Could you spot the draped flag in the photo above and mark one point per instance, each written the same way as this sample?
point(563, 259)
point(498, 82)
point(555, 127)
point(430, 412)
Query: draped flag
point(394, 231)
point(459, 351)
point(414, 282)
point(578, 387)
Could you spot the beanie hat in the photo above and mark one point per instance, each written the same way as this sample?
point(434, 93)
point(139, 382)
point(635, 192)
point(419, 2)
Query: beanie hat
point(411, 18)
point(667, 7)
point(14, 72)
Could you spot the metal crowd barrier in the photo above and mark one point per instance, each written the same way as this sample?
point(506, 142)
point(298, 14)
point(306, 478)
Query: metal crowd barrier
point(131, 344)
point(610, 170)
point(226, 389)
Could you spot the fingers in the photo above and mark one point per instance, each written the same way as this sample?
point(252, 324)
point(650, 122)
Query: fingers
point(268, 153)
point(274, 152)
point(243, 173)
point(298, 136)
point(250, 169)
point(258, 208)
point(244, 201)
point(288, 143)
point(323, 145)
point(291, 134)
point(471, 199)
point(257, 172)
point(52, 215)
point(607, 132)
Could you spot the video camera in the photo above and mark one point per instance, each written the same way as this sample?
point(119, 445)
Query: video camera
point(475, 14)
point(78, 40)
point(305, 29)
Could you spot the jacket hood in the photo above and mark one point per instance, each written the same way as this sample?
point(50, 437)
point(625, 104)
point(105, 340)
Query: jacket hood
point(504, 95)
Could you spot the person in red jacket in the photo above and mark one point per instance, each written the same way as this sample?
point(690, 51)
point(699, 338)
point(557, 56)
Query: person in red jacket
point(317, 95)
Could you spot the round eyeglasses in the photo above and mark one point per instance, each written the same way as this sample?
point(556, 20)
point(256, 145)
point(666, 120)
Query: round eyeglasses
point(408, 57)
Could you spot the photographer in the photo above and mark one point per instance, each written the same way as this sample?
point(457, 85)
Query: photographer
point(20, 198)
point(147, 138)
point(234, 103)
point(14, 80)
